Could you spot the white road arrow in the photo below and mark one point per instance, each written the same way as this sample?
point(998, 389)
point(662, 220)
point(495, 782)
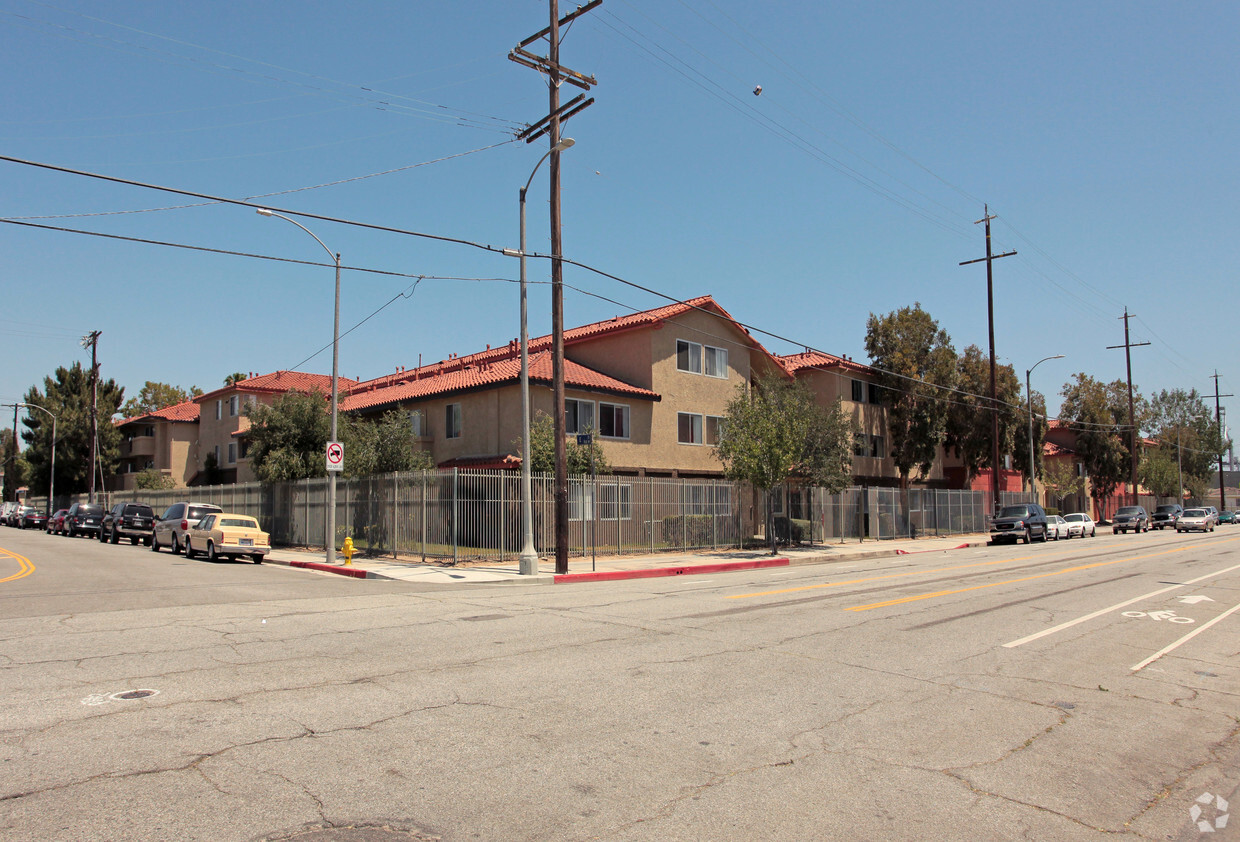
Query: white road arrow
point(1193, 600)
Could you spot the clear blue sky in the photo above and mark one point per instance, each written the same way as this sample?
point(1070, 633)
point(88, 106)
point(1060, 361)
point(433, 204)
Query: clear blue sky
point(1103, 136)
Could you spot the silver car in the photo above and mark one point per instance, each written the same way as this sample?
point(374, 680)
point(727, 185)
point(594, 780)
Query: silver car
point(1057, 527)
point(1195, 519)
point(176, 520)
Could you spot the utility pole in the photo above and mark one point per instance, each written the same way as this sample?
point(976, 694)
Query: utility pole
point(91, 340)
point(1218, 421)
point(550, 125)
point(994, 379)
point(1132, 417)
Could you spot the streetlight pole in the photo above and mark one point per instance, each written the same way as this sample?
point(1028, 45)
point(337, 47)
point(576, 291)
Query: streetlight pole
point(331, 475)
point(51, 477)
point(1033, 483)
point(529, 554)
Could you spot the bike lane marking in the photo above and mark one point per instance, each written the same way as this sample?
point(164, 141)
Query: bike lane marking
point(1172, 647)
point(1078, 568)
point(25, 567)
point(1116, 607)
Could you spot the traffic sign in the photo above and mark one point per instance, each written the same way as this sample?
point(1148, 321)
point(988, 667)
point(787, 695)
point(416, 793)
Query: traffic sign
point(584, 439)
point(335, 456)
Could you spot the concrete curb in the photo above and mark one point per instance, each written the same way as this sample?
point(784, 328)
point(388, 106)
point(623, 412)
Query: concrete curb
point(652, 572)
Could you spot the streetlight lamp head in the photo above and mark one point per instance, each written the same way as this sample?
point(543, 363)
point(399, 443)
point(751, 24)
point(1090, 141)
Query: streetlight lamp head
point(263, 212)
point(565, 142)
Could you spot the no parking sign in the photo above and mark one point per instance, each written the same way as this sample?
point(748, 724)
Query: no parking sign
point(335, 456)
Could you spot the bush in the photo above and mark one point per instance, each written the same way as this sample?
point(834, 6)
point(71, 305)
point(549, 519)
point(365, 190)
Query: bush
point(790, 531)
point(688, 530)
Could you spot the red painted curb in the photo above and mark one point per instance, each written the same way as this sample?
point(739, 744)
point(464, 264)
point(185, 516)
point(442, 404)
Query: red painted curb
point(915, 552)
point(355, 572)
point(613, 575)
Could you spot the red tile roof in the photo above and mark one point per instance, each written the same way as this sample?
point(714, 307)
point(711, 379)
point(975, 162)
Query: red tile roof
point(279, 382)
point(822, 360)
point(458, 375)
point(181, 412)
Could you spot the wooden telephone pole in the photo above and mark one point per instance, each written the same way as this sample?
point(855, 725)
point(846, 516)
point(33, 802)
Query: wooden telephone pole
point(1132, 418)
point(550, 125)
point(1218, 420)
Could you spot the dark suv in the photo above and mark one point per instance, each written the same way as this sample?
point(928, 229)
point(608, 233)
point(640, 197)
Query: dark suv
point(84, 519)
point(1132, 518)
point(1166, 516)
point(133, 520)
point(1021, 521)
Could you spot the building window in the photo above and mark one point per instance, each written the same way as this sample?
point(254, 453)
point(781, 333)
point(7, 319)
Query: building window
point(858, 391)
point(452, 421)
point(878, 447)
point(215, 452)
point(243, 448)
point(714, 428)
point(219, 410)
point(148, 431)
point(613, 420)
point(417, 423)
point(875, 393)
point(232, 453)
point(688, 428)
point(701, 359)
point(234, 406)
point(578, 416)
point(615, 501)
point(861, 443)
point(688, 356)
point(707, 499)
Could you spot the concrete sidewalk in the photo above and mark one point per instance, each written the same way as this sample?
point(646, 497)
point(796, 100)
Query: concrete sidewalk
point(613, 567)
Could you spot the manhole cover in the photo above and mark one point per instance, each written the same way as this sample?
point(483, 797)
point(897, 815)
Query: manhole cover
point(355, 832)
point(129, 695)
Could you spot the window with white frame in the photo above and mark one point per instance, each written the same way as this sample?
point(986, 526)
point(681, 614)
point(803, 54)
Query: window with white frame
point(219, 410)
point(417, 423)
point(452, 421)
point(696, 358)
point(706, 499)
point(613, 420)
point(215, 452)
point(232, 453)
point(688, 428)
point(615, 500)
point(234, 406)
point(714, 428)
point(578, 416)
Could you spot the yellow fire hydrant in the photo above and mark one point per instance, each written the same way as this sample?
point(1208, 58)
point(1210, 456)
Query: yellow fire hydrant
point(347, 551)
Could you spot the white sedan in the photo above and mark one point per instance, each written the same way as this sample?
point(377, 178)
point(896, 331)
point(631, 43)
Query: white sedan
point(1081, 524)
point(1057, 527)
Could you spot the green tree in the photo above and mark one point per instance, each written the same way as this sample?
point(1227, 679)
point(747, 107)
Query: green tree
point(1182, 420)
point(1098, 414)
point(153, 479)
point(776, 432)
point(914, 360)
point(968, 427)
point(542, 449)
point(380, 445)
point(155, 396)
point(67, 396)
point(1158, 472)
point(1061, 479)
point(289, 437)
point(16, 469)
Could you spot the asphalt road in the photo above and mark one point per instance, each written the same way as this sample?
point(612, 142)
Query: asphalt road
point(1047, 692)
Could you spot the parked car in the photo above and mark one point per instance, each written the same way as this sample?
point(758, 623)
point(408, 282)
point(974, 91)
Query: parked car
point(56, 523)
point(1226, 516)
point(31, 518)
point(1130, 519)
point(176, 520)
point(226, 534)
point(1165, 515)
point(84, 519)
point(6, 513)
point(132, 520)
point(1057, 527)
point(1021, 521)
point(1195, 519)
point(1079, 523)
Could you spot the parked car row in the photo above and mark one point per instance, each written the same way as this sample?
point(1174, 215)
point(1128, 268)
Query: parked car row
point(191, 528)
point(22, 517)
point(1029, 522)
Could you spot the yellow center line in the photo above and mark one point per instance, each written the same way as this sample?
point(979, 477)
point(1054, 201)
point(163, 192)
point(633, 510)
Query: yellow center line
point(1075, 569)
point(879, 578)
point(25, 567)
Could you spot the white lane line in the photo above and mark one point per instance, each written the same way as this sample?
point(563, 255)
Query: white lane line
point(1152, 658)
point(1111, 608)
